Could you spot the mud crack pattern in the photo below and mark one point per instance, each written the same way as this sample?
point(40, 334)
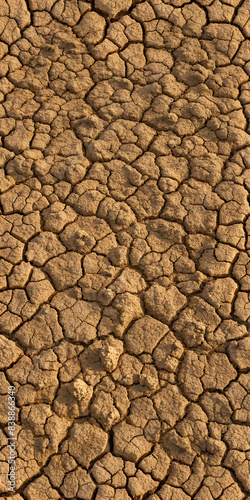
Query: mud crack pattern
point(125, 248)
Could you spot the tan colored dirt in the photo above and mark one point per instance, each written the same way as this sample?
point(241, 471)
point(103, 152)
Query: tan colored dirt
point(125, 248)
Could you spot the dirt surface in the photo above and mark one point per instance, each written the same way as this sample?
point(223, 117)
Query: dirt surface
point(125, 248)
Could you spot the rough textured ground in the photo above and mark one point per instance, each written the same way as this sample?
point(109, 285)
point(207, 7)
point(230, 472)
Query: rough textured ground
point(125, 248)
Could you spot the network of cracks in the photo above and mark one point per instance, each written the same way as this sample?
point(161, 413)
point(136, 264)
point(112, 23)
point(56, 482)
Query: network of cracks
point(125, 248)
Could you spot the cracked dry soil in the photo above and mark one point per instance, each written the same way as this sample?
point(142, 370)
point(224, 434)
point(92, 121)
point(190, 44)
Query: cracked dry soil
point(125, 248)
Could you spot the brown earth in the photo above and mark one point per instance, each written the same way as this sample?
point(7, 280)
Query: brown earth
point(125, 248)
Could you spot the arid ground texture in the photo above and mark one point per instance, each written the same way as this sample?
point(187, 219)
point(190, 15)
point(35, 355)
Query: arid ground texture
point(125, 249)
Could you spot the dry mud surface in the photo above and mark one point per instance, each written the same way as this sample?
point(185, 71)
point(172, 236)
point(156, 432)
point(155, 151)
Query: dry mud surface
point(125, 248)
